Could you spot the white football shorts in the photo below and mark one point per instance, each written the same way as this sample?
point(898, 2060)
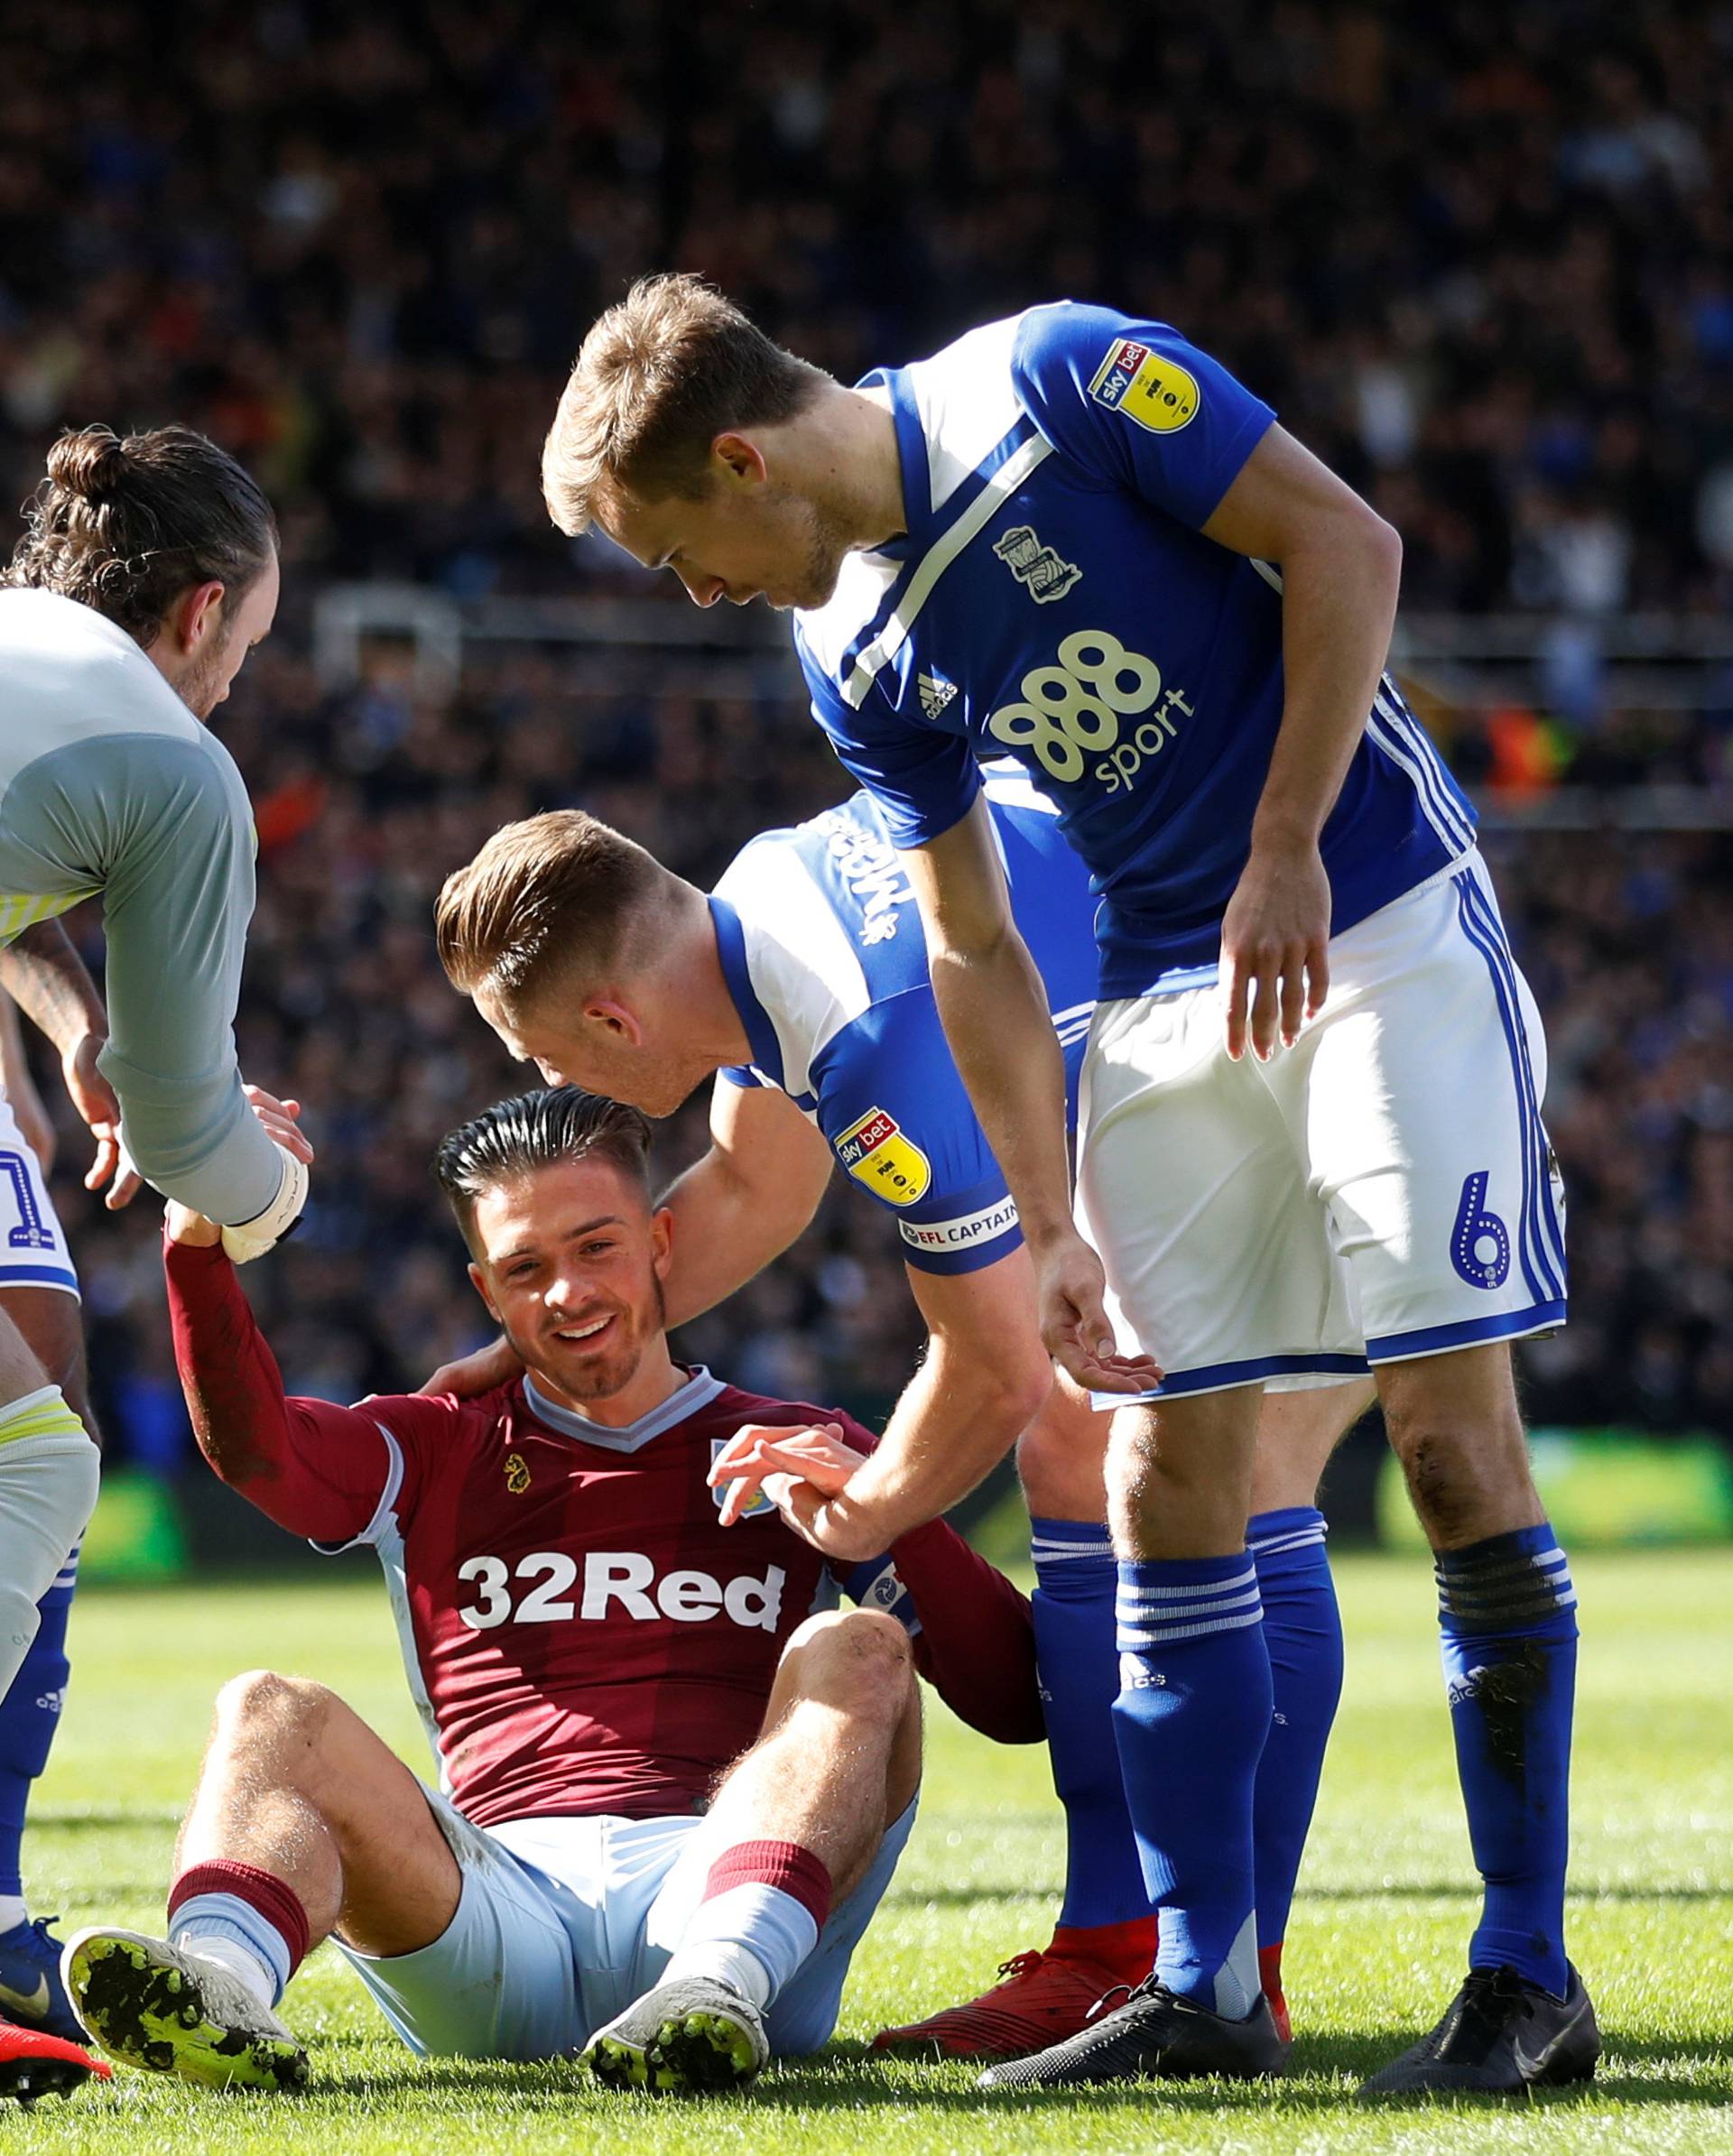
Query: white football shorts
point(1383, 1189)
point(562, 1922)
point(32, 1247)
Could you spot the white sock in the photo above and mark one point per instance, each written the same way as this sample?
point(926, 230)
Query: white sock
point(725, 1960)
point(1237, 1982)
point(13, 1912)
point(239, 1959)
point(48, 1485)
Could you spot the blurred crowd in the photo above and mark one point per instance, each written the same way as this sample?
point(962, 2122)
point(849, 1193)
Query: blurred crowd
point(1476, 255)
point(366, 799)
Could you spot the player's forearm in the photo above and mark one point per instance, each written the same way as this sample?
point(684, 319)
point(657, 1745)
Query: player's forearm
point(994, 1010)
point(957, 1417)
point(254, 1438)
point(15, 1066)
point(1338, 603)
point(46, 978)
point(977, 1642)
point(196, 1140)
point(176, 914)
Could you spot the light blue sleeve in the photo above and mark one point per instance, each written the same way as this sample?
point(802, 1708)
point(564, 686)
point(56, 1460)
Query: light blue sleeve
point(1136, 406)
point(165, 829)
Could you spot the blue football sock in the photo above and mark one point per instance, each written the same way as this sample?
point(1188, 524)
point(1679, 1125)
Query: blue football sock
point(1078, 1658)
point(1192, 1718)
point(1508, 1611)
point(29, 1713)
point(1303, 1629)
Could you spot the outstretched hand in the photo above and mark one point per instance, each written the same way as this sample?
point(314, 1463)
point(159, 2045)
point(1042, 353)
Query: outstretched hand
point(1074, 1326)
point(281, 1120)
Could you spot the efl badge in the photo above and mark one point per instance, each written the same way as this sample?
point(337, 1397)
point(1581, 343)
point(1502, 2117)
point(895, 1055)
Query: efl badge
point(760, 1504)
point(1155, 392)
point(875, 1153)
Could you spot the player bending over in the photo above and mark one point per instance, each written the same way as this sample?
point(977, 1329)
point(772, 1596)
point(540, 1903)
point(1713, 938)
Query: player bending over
point(147, 573)
point(801, 985)
point(1072, 535)
point(674, 1778)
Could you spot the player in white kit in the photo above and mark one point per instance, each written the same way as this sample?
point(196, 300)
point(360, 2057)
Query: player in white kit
point(147, 573)
point(1073, 535)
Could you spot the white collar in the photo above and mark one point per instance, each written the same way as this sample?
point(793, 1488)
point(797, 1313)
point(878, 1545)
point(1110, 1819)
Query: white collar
point(699, 1390)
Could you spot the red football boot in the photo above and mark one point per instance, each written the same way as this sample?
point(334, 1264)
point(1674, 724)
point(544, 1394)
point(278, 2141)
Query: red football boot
point(34, 2064)
point(1045, 1998)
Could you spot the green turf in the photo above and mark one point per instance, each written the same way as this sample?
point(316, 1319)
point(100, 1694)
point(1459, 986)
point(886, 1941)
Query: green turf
point(1374, 1949)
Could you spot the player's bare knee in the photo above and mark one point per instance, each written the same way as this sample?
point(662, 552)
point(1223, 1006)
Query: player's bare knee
point(260, 1706)
point(857, 1660)
point(1460, 1479)
point(1061, 1479)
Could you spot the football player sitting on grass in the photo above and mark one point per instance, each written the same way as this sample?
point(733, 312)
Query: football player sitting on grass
point(674, 1778)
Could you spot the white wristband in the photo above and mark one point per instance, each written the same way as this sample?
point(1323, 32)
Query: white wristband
point(253, 1238)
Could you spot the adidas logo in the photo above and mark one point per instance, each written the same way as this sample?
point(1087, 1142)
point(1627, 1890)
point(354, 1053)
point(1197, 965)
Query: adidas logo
point(936, 692)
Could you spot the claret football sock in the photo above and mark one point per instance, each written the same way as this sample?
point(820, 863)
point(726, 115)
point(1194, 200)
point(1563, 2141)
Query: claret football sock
point(1507, 1612)
point(1302, 1628)
point(1078, 1661)
point(29, 1713)
point(249, 1921)
point(1127, 1949)
point(1192, 1718)
point(764, 1904)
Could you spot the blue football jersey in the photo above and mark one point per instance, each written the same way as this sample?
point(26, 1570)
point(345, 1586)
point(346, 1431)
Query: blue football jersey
point(822, 948)
point(1053, 598)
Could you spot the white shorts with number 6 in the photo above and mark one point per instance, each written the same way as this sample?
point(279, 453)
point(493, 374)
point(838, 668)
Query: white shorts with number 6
point(1383, 1189)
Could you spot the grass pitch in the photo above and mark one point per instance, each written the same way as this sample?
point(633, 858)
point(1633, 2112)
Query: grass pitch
point(1374, 1952)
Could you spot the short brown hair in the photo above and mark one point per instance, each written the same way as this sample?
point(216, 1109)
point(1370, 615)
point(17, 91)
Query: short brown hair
point(123, 524)
point(542, 1129)
point(661, 375)
point(553, 896)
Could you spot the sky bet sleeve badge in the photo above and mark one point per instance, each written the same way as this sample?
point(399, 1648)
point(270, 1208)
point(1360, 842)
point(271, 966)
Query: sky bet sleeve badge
point(875, 1153)
point(1157, 393)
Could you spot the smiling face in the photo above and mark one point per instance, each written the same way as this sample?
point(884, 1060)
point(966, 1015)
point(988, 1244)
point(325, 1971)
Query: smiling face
point(569, 1258)
point(745, 537)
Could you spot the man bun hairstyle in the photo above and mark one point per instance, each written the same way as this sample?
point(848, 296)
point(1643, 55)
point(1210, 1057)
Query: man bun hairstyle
point(553, 1126)
point(91, 464)
point(555, 897)
point(660, 376)
point(124, 524)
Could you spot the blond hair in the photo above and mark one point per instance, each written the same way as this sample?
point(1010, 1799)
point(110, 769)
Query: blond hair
point(661, 375)
point(554, 899)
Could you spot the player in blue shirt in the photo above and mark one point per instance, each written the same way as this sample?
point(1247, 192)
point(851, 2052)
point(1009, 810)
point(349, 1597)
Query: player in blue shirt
point(1074, 536)
point(801, 983)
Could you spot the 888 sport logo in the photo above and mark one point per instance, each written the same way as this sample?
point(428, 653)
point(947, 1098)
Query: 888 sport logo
point(1075, 716)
